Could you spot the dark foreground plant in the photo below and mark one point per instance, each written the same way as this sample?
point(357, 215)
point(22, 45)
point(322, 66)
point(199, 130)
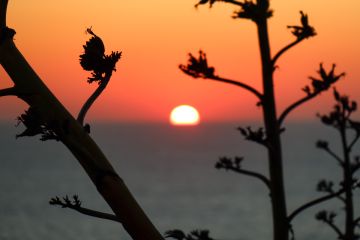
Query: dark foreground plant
point(47, 117)
point(268, 136)
point(340, 118)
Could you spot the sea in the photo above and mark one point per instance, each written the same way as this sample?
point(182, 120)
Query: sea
point(170, 171)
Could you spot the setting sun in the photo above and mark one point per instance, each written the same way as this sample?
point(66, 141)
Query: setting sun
point(184, 115)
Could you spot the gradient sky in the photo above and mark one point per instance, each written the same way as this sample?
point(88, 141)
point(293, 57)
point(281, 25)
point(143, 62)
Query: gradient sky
point(155, 37)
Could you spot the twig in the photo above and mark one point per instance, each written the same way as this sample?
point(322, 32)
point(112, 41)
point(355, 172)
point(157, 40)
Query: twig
point(351, 145)
point(336, 229)
point(294, 105)
point(76, 205)
point(334, 155)
point(283, 50)
point(239, 84)
point(251, 174)
point(92, 99)
point(313, 203)
point(357, 221)
point(340, 198)
point(8, 92)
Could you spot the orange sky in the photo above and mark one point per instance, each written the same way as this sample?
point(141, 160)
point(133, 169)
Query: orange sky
point(155, 36)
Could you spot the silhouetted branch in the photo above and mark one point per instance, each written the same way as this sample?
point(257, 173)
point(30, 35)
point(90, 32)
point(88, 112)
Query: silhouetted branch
point(239, 84)
point(355, 126)
point(235, 165)
point(336, 229)
point(101, 66)
point(8, 92)
point(295, 105)
point(327, 187)
point(85, 108)
point(334, 155)
point(75, 204)
point(317, 86)
point(301, 32)
point(283, 50)
point(328, 218)
point(313, 203)
point(199, 68)
point(255, 175)
point(357, 222)
point(258, 136)
point(351, 145)
point(325, 146)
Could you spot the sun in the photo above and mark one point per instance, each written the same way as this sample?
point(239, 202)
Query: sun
point(184, 115)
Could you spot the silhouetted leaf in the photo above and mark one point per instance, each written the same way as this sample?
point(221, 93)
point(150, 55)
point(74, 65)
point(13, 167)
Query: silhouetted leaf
point(258, 135)
point(94, 59)
point(35, 125)
point(66, 202)
point(326, 216)
point(305, 30)
point(193, 235)
point(322, 144)
point(324, 82)
point(202, 2)
point(198, 67)
point(325, 186)
point(254, 11)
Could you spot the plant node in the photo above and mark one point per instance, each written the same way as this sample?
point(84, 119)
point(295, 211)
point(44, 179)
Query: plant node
point(305, 30)
point(193, 235)
point(198, 67)
point(254, 11)
point(35, 125)
point(94, 59)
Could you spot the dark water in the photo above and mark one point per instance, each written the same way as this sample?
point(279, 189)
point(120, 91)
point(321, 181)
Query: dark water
point(171, 172)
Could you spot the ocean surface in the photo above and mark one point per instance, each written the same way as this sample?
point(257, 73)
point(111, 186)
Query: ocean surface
point(170, 170)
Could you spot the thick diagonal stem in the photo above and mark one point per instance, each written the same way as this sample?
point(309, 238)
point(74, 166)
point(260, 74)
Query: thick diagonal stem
point(71, 133)
point(278, 202)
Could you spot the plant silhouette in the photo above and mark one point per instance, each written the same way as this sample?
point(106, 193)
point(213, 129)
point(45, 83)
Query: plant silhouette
point(47, 117)
point(269, 136)
point(340, 118)
point(101, 66)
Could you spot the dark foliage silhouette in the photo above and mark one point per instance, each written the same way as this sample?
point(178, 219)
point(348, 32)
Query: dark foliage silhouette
point(47, 117)
point(303, 31)
point(75, 204)
point(340, 118)
point(269, 135)
point(193, 235)
point(34, 125)
point(101, 66)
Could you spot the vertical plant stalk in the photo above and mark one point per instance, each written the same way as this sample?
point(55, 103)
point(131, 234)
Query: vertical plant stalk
point(92, 98)
point(278, 202)
point(34, 92)
point(348, 182)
